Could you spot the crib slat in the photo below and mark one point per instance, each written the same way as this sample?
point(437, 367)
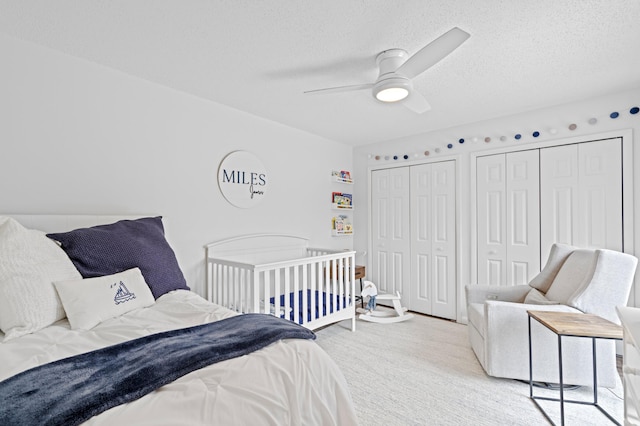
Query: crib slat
point(314, 288)
point(287, 292)
point(276, 291)
point(334, 283)
point(326, 292)
point(223, 288)
point(305, 294)
point(296, 293)
point(339, 284)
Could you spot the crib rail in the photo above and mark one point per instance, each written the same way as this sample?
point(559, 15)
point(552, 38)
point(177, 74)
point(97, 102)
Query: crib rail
point(312, 291)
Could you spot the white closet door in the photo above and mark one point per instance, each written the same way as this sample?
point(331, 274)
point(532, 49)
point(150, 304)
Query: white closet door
point(433, 249)
point(390, 259)
point(491, 223)
point(508, 218)
point(523, 216)
point(600, 194)
point(558, 195)
point(581, 195)
point(422, 237)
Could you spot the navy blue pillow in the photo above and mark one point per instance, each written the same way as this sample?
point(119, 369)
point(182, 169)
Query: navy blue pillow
point(108, 249)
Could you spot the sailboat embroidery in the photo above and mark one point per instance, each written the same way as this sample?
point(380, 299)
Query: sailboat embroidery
point(123, 294)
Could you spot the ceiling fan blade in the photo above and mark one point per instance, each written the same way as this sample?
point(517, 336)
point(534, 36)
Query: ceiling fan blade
point(340, 89)
point(416, 102)
point(433, 52)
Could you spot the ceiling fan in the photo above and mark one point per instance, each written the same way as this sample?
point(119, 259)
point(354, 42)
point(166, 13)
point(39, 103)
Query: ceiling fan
point(397, 69)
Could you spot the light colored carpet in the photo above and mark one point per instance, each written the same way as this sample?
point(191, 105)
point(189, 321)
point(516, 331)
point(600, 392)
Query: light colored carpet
point(423, 372)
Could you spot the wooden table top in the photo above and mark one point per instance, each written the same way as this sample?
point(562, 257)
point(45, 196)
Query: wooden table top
point(578, 324)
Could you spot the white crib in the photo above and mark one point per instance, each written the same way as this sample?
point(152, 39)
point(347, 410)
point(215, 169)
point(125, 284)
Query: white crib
point(255, 273)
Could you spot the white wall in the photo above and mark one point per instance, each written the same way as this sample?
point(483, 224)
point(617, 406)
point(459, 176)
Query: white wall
point(77, 137)
point(553, 125)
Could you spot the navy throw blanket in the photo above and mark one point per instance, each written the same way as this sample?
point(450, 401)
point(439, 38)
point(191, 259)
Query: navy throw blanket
point(72, 390)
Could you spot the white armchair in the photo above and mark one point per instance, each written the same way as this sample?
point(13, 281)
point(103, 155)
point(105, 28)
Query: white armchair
point(574, 280)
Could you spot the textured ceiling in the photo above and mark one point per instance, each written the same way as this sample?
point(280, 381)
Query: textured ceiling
point(260, 56)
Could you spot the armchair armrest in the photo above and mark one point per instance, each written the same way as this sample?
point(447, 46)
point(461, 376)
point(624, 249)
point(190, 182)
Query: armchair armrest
point(480, 293)
point(507, 309)
point(507, 340)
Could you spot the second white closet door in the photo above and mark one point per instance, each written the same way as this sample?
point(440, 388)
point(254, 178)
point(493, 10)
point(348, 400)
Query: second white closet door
point(433, 257)
point(581, 195)
point(508, 218)
point(390, 230)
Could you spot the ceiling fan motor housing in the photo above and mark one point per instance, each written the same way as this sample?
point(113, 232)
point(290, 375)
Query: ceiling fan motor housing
point(391, 86)
point(390, 60)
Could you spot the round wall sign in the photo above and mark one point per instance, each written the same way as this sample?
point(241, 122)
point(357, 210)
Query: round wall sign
point(242, 179)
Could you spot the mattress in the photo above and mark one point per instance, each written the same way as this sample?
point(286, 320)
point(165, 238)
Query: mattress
point(290, 382)
point(312, 310)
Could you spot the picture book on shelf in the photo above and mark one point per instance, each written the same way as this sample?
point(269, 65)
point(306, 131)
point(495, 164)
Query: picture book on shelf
point(342, 175)
point(341, 224)
point(341, 199)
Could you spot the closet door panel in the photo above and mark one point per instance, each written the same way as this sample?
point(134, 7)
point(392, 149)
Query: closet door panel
point(520, 272)
point(433, 239)
point(491, 223)
point(508, 217)
point(422, 267)
point(442, 293)
point(444, 241)
point(558, 196)
point(380, 209)
point(422, 277)
point(494, 272)
point(379, 270)
point(600, 194)
point(390, 229)
point(397, 273)
point(523, 216)
point(581, 195)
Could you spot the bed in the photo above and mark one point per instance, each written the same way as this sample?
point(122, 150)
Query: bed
point(281, 275)
point(290, 381)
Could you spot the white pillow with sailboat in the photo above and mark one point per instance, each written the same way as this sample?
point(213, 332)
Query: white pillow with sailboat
point(90, 301)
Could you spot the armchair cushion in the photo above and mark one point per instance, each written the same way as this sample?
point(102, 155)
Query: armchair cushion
point(574, 276)
point(557, 256)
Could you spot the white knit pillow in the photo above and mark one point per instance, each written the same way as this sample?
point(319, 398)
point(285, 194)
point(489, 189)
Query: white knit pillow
point(557, 256)
point(29, 264)
point(90, 301)
point(574, 276)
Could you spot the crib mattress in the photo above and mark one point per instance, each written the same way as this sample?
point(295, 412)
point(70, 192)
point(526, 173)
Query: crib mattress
point(322, 302)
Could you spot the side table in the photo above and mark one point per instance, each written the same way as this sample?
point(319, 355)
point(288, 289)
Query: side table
point(569, 324)
point(360, 273)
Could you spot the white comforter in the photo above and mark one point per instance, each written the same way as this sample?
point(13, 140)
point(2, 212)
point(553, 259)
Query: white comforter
point(291, 382)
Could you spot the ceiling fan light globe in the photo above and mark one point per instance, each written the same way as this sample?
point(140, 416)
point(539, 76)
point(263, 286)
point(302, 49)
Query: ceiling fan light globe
point(392, 94)
point(392, 89)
